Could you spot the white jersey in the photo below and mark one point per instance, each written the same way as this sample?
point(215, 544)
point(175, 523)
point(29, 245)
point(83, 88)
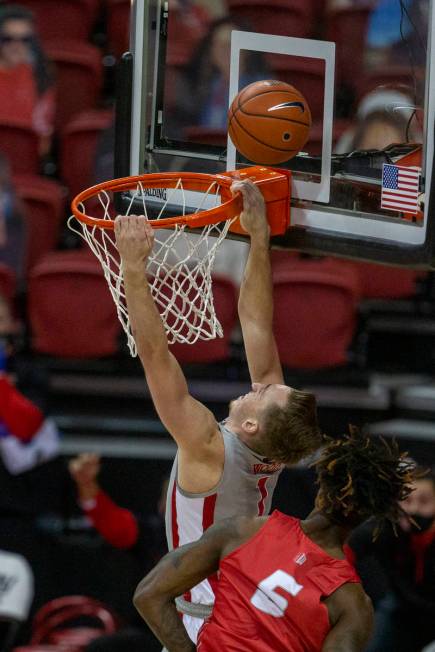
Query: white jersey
point(245, 489)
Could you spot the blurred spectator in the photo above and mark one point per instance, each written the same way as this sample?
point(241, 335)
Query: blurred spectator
point(204, 100)
point(12, 224)
point(120, 527)
point(143, 535)
point(30, 379)
point(405, 616)
point(16, 591)
point(382, 119)
point(8, 330)
point(26, 83)
point(27, 437)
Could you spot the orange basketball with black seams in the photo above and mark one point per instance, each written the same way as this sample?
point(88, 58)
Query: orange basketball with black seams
point(269, 122)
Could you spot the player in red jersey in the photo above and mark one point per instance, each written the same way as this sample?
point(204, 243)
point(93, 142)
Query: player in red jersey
point(285, 584)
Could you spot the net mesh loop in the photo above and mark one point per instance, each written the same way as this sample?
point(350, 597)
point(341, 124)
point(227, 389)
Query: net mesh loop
point(179, 268)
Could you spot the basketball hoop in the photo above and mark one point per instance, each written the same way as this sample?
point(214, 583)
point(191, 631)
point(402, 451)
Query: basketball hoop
point(185, 246)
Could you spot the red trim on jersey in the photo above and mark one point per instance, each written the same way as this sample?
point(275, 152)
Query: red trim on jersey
point(208, 511)
point(263, 493)
point(175, 537)
point(207, 521)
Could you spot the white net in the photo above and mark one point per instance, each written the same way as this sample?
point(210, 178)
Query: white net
point(179, 268)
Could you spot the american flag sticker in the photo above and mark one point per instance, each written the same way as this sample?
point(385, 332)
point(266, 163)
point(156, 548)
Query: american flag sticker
point(400, 188)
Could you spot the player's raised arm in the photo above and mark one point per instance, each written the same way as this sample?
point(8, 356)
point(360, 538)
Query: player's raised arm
point(191, 424)
point(178, 572)
point(255, 298)
point(351, 615)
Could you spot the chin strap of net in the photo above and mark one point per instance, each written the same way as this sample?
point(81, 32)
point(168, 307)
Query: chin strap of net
point(179, 268)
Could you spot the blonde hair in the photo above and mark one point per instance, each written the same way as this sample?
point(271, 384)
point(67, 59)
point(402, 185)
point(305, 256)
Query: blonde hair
point(291, 432)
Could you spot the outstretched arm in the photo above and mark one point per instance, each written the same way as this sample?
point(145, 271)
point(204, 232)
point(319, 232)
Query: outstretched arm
point(191, 424)
point(178, 572)
point(351, 615)
point(117, 525)
point(255, 298)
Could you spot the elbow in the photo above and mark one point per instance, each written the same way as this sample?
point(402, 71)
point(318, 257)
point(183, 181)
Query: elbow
point(143, 597)
point(147, 599)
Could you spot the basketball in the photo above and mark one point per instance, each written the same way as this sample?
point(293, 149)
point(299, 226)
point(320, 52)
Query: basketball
point(269, 122)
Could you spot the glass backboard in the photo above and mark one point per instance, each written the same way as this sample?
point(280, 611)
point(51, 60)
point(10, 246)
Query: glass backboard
point(363, 186)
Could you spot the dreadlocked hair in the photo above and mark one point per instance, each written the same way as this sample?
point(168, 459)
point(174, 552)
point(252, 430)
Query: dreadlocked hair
point(362, 477)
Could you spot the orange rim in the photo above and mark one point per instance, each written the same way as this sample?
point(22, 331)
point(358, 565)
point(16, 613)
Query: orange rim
point(231, 206)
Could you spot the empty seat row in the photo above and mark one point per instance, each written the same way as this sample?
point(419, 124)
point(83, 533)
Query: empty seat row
point(77, 152)
point(55, 18)
point(315, 302)
point(315, 316)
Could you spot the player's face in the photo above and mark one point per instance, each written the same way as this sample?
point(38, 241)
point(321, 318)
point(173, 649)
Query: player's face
point(259, 399)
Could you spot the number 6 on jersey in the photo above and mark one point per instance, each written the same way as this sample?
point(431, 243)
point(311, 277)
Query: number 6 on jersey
point(266, 598)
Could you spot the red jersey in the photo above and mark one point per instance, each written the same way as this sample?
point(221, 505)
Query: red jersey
point(270, 590)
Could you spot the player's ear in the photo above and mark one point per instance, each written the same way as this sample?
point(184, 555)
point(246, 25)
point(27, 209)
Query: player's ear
point(250, 426)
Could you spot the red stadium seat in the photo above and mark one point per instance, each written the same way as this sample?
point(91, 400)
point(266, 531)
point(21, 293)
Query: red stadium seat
point(20, 144)
point(79, 77)
point(225, 302)
point(53, 623)
point(347, 27)
point(44, 202)
point(315, 312)
point(55, 18)
point(64, 290)
point(78, 144)
point(7, 283)
point(382, 282)
point(279, 17)
point(46, 648)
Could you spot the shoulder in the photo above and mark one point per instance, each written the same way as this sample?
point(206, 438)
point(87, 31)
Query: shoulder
point(241, 526)
point(230, 533)
point(350, 601)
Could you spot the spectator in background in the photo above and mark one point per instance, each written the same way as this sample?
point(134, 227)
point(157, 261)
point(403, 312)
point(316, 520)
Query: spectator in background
point(16, 596)
point(405, 617)
point(144, 536)
point(8, 329)
point(27, 436)
point(382, 119)
point(26, 83)
point(204, 100)
point(12, 224)
point(120, 527)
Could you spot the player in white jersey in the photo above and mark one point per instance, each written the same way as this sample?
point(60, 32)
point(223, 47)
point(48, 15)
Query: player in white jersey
point(227, 469)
